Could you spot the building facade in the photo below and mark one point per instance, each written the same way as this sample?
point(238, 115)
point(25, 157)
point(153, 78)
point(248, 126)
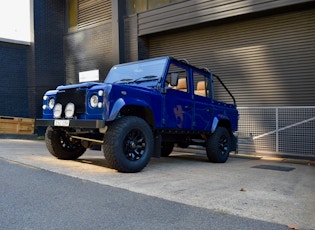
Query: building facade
point(263, 50)
point(29, 69)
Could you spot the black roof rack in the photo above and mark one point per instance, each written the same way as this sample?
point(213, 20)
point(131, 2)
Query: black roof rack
point(183, 60)
point(205, 69)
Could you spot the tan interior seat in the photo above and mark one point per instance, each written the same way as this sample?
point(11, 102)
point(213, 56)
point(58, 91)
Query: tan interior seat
point(181, 85)
point(201, 88)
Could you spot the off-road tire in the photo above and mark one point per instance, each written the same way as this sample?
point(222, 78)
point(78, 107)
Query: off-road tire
point(59, 144)
point(218, 145)
point(166, 148)
point(128, 144)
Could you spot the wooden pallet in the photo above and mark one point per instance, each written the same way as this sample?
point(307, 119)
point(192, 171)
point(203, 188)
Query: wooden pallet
point(16, 125)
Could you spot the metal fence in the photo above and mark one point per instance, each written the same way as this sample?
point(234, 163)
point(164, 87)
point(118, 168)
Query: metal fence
point(280, 130)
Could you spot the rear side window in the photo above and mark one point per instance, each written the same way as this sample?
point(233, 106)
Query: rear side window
point(202, 85)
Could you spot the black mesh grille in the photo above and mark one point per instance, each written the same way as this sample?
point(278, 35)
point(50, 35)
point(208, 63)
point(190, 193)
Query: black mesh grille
point(77, 97)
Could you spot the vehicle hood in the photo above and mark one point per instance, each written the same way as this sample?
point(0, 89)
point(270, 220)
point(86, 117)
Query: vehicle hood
point(80, 85)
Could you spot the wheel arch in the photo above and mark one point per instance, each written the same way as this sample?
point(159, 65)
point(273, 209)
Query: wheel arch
point(139, 111)
point(222, 122)
point(126, 108)
point(227, 124)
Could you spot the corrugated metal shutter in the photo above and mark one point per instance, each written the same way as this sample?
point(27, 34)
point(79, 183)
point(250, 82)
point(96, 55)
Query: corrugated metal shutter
point(93, 12)
point(265, 61)
point(193, 12)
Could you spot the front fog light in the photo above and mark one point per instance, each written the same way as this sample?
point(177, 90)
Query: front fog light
point(57, 110)
point(94, 101)
point(51, 103)
point(69, 110)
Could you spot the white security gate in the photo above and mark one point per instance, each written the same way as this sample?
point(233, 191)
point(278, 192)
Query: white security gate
point(281, 130)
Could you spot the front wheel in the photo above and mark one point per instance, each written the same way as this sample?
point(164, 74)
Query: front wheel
point(61, 146)
point(218, 145)
point(128, 144)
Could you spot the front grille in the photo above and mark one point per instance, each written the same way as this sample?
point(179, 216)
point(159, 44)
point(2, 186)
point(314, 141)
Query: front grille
point(76, 96)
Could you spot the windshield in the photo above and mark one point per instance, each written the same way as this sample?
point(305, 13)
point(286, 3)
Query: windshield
point(137, 72)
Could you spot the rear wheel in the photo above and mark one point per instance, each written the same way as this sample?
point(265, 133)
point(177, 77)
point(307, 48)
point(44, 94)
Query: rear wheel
point(128, 144)
point(218, 145)
point(61, 146)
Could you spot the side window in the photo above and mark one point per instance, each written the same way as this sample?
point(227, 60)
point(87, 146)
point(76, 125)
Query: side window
point(201, 85)
point(182, 73)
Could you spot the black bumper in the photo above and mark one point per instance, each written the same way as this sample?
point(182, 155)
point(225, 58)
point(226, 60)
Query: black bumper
point(95, 124)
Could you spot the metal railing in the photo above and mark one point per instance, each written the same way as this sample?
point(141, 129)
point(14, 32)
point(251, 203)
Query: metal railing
point(280, 130)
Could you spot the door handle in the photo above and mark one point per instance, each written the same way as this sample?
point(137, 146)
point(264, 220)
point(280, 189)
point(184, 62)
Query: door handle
point(209, 110)
point(188, 106)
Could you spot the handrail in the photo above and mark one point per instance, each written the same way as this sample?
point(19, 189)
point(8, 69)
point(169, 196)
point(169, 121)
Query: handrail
point(224, 86)
point(221, 82)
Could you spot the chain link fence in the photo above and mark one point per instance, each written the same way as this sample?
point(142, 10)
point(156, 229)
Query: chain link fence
point(281, 130)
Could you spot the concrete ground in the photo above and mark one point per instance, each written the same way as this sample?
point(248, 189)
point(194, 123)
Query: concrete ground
point(274, 190)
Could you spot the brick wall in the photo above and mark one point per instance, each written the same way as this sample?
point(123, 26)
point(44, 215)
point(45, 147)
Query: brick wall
point(88, 49)
point(26, 72)
point(47, 58)
point(13, 75)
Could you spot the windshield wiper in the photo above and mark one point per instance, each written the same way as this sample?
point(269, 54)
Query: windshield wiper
point(125, 80)
point(146, 78)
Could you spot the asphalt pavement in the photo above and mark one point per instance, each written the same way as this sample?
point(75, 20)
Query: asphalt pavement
point(276, 191)
point(33, 198)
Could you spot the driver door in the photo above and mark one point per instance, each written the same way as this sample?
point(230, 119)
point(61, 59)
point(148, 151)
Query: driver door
point(178, 103)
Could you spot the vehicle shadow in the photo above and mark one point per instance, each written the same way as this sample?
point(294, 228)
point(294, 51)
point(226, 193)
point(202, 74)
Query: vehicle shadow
point(175, 158)
point(178, 157)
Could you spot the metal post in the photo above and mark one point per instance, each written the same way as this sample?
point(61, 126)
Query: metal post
point(117, 31)
point(277, 129)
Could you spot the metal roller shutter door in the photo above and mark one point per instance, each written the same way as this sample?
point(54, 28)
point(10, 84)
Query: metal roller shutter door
point(93, 12)
point(268, 61)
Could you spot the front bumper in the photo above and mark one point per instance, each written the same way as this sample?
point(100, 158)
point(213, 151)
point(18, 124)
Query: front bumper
point(95, 124)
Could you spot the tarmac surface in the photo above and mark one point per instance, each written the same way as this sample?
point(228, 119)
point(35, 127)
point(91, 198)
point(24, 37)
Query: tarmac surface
point(270, 189)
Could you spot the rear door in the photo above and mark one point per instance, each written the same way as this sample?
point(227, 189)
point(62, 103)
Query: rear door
point(203, 101)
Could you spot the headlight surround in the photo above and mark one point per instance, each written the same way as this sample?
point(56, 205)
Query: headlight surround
point(69, 110)
point(94, 101)
point(57, 110)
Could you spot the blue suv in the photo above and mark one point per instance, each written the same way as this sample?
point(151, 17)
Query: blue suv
point(142, 109)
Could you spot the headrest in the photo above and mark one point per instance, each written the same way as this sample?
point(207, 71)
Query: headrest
point(181, 84)
point(201, 85)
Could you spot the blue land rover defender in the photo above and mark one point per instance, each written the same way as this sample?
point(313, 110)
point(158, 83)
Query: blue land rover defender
point(142, 109)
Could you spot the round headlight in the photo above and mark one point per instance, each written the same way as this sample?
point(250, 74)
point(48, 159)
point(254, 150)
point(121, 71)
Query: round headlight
point(57, 110)
point(69, 110)
point(51, 103)
point(94, 101)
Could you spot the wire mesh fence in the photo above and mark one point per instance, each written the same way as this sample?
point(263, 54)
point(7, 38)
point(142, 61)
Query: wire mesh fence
point(281, 130)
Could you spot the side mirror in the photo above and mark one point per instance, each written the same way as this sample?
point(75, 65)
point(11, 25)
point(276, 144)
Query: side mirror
point(174, 79)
